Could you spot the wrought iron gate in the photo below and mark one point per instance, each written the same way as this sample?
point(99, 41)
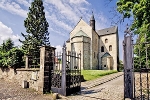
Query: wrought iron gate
point(136, 77)
point(66, 72)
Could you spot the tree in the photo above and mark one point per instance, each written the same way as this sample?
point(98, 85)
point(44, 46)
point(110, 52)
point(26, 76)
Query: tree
point(10, 55)
point(7, 45)
point(36, 28)
point(120, 65)
point(139, 10)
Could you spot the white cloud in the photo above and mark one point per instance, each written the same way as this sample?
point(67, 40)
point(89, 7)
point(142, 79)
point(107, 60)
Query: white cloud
point(78, 1)
point(58, 49)
point(59, 22)
point(13, 8)
point(64, 9)
point(23, 2)
point(62, 15)
point(6, 32)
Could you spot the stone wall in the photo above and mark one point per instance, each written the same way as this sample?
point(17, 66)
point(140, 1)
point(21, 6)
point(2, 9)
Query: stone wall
point(112, 40)
point(86, 53)
point(95, 48)
point(20, 75)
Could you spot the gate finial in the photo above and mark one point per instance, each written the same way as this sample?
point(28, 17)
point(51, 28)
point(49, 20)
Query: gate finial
point(127, 31)
point(64, 44)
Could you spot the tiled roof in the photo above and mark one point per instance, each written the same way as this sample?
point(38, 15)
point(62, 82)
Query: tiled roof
point(80, 33)
point(107, 31)
point(68, 40)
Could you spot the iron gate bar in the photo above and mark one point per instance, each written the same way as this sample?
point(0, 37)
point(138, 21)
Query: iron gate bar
point(143, 72)
point(66, 80)
point(147, 66)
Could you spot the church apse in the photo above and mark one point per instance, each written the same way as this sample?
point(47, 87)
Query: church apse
point(80, 42)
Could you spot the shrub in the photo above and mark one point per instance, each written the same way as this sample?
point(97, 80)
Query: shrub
point(12, 58)
point(16, 57)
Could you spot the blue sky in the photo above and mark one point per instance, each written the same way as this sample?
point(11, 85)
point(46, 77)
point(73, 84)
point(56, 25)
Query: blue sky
point(62, 16)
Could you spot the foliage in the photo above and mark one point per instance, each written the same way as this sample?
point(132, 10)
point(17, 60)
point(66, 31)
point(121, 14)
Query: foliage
point(139, 10)
point(36, 28)
point(120, 65)
point(6, 46)
point(93, 74)
point(10, 55)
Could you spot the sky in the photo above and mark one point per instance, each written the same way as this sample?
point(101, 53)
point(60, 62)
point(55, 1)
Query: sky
point(62, 16)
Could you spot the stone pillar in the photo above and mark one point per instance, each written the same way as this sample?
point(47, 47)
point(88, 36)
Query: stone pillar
point(41, 77)
point(63, 85)
point(128, 68)
point(46, 65)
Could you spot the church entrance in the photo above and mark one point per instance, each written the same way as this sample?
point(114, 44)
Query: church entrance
point(107, 62)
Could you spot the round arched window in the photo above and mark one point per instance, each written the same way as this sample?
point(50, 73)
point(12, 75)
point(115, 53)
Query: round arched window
point(106, 40)
point(102, 49)
point(110, 48)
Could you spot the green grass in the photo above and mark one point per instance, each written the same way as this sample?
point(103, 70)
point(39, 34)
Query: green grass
point(93, 74)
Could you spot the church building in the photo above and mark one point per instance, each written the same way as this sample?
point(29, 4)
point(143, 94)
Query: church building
point(99, 48)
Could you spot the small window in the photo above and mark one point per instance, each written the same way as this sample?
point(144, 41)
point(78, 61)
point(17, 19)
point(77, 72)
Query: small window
point(94, 54)
point(102, 49)
point(104, 65)
point(110, 48)
point(106, 40)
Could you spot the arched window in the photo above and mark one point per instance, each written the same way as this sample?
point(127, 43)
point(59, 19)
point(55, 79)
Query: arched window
point(110, 48)
point(106, 40)
point(102, 49)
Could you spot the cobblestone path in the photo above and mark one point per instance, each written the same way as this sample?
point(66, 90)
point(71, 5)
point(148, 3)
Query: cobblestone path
point(109, 87)
point(111, 90)
point(13, 91)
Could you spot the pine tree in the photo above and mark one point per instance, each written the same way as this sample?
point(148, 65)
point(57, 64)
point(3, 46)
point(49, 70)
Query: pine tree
point(37, 29)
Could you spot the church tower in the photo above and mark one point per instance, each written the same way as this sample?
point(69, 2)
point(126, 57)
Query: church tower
point(92, 22)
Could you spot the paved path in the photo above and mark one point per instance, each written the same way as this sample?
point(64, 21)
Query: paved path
point(110, 90)
point(13, 91)
point(109, 87)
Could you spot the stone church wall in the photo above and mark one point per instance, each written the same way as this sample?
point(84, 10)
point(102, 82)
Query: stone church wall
point(82, 26)
point(68, 45)
point(86, 53)
point(94, 54)
point(112, 40)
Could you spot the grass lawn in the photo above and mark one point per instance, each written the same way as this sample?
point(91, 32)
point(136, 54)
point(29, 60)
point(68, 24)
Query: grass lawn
point(93, 74)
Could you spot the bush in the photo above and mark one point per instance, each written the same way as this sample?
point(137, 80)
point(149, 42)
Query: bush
point(12, 58)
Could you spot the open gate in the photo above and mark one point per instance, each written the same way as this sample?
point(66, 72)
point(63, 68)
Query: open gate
point(136, 76)
point(63, 73)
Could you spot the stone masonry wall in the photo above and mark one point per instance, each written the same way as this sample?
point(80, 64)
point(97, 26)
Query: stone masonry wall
point(112, 40)
point(94, 50)
point(19, 75)
point(86, 53)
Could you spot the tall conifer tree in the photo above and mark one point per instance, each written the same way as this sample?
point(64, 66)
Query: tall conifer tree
point(36, 28)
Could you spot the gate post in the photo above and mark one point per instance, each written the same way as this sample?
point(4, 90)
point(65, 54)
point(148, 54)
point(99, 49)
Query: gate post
point(46, 65)
point(63, 81)
point(127, 63)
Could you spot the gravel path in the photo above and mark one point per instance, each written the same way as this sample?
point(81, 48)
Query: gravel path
point(13, 91)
